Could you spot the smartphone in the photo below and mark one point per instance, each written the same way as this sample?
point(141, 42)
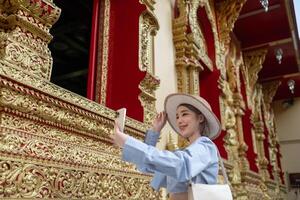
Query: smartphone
point(120, 119)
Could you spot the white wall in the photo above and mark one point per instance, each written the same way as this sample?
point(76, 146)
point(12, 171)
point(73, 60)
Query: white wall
point(164, 52)
point(164, 57)
point(288, 129)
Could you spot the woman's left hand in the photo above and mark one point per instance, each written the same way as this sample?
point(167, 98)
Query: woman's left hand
point(118, 138)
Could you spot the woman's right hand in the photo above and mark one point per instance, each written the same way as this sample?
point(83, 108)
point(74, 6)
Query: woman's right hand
point(159, 121)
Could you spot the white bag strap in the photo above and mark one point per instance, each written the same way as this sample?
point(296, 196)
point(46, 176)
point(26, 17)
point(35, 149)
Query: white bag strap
point(222, 166)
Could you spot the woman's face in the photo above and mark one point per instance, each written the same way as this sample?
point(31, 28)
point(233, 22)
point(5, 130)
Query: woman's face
point(188, 122)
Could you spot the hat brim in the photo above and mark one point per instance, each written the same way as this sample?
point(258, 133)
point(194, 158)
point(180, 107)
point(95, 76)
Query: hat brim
point(174, 100)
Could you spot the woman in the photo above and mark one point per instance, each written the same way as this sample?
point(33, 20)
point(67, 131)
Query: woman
point(192, 118)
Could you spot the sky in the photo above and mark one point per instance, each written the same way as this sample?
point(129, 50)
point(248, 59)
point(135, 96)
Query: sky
point(297, 11)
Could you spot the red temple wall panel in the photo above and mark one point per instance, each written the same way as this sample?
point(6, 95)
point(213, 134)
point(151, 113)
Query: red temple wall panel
point(124, 75)
point(209, 90)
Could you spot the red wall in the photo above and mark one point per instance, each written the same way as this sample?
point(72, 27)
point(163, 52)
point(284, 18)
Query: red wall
point(124, 75)
point(210, 91)
point(209, 79)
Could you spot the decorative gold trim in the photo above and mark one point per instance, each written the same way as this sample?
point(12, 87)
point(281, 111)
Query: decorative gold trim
point(60, 138)
point(43, 11)
point(227, 14)
point(149, 4)
point(191, 46)
point(229, 124)
point(269, 91)
point(147, 97)
point(253, 61)
point(33, 146)
point(25, 35)
point(104, 60)
point(198, 45)
point(147, 30)
point(60, 96)
point(55, 144)
point(258, 131)
point(64, 114)
point(40, 180)
point(148, 26)
point(251, 186)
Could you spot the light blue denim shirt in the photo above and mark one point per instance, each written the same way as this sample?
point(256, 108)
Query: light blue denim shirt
point(173, 170)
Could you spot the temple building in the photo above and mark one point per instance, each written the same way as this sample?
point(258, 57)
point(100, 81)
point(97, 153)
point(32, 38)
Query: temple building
point(67, 66)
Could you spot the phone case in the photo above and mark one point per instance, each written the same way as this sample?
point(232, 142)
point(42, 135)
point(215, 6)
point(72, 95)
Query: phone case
point(120, 120)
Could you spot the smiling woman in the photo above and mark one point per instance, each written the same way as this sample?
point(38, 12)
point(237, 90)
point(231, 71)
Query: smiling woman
point(192, 118)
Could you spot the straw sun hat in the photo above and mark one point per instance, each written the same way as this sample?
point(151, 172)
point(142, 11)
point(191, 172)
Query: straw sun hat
point(172, 101)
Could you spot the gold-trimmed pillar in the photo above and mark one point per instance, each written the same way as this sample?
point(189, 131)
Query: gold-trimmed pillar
point(147, 30)
point(253, 63)
point(228, 12)
point(25, 35)
point(186, 62)
point(269, 91)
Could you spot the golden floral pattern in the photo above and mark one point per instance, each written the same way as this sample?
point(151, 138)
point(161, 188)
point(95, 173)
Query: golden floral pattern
point(25, 180)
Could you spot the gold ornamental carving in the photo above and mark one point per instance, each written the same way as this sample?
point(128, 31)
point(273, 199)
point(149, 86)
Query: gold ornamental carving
point(147, 97)
point(253, 61)
point(258, 131)
point(252, 65)
point(181, 44)
point(148, 26)
point(269, 91)
point(231, 94)
point(228, 12)
point(39, 147)
point(59, 95)
point(228, 114)
point(149, 4)
point(25, 35)
point(232, 110)
point(21, 180)
point(37, 128)
point(252, 186)
point(147, 31)
point(190, 46)
point(54, 143)
point(198, 45)
point(35, 8)
point(229, 124)
point(42, 138)
point(47, 108)
point(103, 45)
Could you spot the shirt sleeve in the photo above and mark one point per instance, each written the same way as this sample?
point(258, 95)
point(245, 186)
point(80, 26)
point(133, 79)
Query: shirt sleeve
point(181, 165)
point(151, 137)
point(159, 180)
